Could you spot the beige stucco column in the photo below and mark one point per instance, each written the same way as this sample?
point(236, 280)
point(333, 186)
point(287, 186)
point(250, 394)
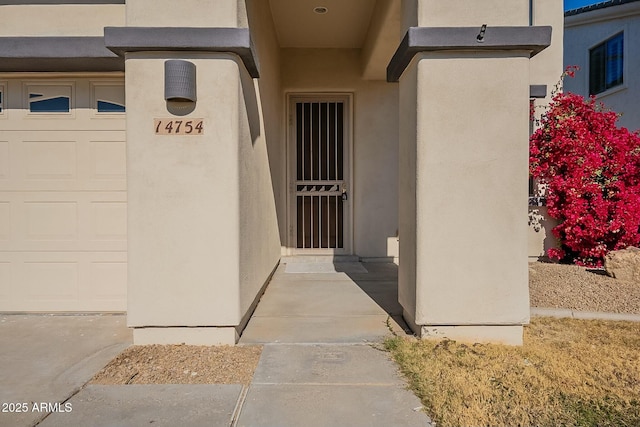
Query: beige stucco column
point(195, 194)
point(463, 167)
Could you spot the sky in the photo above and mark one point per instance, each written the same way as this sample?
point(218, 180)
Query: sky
point(574, 4)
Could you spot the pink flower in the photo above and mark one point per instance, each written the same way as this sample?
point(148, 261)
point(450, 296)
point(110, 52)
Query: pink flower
point(592, 172)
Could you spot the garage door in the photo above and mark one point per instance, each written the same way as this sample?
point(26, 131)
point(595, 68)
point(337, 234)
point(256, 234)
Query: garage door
point(62, 194)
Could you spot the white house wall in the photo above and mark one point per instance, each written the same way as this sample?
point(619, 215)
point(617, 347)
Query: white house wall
point(584, 31)
point(59, 20)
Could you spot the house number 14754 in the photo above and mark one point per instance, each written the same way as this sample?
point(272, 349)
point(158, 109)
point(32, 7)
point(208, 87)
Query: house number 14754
point(179, 127)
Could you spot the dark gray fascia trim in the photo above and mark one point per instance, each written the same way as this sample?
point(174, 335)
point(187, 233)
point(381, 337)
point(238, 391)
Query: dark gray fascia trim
point(25, 2)
point(427, 39)
point(145, 39)
point(57, 54)
point(537, 91)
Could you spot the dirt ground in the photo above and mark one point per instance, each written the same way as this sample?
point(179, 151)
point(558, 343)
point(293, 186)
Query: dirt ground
point(181, 364)
point(550, 286)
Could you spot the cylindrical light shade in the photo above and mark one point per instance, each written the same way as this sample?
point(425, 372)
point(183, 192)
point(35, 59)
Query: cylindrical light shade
point(179, 80)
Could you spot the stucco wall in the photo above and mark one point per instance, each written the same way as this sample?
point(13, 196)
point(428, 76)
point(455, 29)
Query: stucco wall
point(541, 237)
point(383, 38)
point(463, 180)
point(375, 139)
point(204, 235)
point(259, 131)
point(186, 13)
point(272, 102)
point(586, 30)
point(183, 194)
point(545, 69)
point(54, 20)
point(408, 145)
point(464, 13)
point(471, 181)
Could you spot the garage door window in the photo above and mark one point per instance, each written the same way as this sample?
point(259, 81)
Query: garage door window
point(109, 107)
point(49, 99)
point(108, 98)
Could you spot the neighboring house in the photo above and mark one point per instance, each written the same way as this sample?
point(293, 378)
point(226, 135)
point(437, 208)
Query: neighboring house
point(604, 41)
point(162, 156)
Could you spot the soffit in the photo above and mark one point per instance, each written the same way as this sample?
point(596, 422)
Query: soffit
point(344, 25)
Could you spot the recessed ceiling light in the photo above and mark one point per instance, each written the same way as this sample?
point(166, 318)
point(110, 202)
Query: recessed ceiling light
point(320, 10)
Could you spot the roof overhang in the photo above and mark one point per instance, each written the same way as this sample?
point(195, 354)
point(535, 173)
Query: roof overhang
point(428, 39)
point(121, 40)
point(63, 54)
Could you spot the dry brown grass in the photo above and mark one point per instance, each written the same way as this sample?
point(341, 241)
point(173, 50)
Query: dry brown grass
point(568, 373)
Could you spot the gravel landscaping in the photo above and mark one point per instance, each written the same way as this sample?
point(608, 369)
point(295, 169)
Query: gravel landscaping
point(579, 288)
point(181, 364)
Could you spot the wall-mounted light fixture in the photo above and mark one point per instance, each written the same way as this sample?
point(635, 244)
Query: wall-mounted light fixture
point(179, 81)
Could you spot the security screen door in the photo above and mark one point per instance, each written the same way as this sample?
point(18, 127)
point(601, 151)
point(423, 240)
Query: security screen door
point(319, 151)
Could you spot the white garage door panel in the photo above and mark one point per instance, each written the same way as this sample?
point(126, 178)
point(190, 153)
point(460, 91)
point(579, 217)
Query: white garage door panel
point(5, 222)
point(4, 159)
point(63, 200)
point(63, 281)
point(63, 161)
point(63, 221)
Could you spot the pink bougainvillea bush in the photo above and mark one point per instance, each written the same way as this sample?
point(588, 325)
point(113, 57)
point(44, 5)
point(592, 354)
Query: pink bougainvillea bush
point(591, 169)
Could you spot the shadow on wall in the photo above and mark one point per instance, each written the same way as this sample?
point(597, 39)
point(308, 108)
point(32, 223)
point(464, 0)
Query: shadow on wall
point(249, 89)
point(541, 237)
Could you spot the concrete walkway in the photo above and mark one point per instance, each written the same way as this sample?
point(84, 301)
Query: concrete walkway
point(355, 305)
point(47, 359)
point(320, 365)
point(328, 385)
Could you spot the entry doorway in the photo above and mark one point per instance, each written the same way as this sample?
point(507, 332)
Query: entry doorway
point(320, 197)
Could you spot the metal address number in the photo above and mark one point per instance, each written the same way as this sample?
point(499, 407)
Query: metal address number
point(179, 127)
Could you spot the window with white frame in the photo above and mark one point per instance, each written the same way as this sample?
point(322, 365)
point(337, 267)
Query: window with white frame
point(606, 62)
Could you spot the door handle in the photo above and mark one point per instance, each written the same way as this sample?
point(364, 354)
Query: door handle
point(345, 197)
